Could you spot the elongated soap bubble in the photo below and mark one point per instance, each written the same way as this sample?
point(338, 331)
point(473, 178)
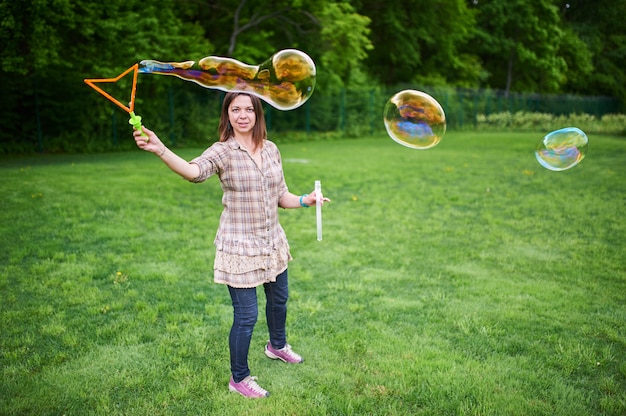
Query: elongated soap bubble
point(286, 80)
point(562, 149)
point(414, 119)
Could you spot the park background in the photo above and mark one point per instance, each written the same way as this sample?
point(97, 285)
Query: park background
point(521, 64)
point(464, 279)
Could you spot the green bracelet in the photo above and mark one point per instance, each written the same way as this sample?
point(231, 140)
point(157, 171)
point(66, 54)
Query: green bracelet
point(302, 204)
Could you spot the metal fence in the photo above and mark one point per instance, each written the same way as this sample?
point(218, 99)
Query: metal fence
point(185, 114)
point(355, 113)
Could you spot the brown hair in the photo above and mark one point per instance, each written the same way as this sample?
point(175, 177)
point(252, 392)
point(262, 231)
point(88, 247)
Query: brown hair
point(259, 131)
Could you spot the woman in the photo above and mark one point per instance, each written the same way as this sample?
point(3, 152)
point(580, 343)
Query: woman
point(251, 245)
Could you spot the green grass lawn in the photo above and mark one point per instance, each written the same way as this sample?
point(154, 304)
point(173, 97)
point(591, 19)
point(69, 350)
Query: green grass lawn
point(465, 279)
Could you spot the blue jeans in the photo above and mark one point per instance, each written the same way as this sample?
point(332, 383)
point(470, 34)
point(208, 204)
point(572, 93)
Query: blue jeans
point(245, 314)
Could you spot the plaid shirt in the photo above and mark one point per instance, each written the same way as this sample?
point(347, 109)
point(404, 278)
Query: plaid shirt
point(252, 247)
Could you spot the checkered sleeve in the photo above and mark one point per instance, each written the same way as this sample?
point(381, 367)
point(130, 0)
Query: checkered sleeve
point(211, 161)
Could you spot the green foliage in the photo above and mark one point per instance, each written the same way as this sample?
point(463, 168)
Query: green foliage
point(420, 42)
point(518, 46)
point(614, 124)
point(599, 25)
point(344, 40)
point(578, 57)
point(33, 34)
point(465, 279)
point(519, 41)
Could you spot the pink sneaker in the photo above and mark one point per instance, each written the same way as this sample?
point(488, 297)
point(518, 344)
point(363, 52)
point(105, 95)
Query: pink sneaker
point(248, 387)
point(285, 354)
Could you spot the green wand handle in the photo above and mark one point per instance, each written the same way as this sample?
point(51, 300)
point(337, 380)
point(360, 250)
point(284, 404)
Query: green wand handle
point(135, 121)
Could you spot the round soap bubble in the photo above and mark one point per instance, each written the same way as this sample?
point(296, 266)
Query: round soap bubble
point(562, 149)
point(414, 119)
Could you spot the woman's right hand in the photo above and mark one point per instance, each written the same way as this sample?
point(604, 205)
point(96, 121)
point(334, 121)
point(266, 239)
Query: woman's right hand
point(147, 140)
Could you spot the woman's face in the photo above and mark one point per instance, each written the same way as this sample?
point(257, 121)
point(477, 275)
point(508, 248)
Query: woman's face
point(241, 115)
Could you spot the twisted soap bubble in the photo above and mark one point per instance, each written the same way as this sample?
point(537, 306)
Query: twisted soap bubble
point(414, 119)
point(286, 80)
point(562, 149)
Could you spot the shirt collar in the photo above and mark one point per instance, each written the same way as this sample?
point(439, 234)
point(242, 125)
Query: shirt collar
point(234, 144)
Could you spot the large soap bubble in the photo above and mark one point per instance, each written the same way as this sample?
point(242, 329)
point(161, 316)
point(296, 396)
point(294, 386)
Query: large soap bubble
point(285, 80)
point(414, 119)
point(562, 149)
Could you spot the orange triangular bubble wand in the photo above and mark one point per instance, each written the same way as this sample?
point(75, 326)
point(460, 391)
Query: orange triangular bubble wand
point(135, 120)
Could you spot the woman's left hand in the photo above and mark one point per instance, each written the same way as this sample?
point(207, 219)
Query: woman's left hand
point(311, 199)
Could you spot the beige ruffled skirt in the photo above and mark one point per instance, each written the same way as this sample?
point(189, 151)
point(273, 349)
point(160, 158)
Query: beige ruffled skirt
point(250, 271)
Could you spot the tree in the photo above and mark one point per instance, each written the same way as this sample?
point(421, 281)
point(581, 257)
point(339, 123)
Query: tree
point(342, 46)
point(599, 30)
point(49, 47)
point(420, 41)
point(282, 19)
point(519, 42)
point(331, 32)
point(251, 32)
